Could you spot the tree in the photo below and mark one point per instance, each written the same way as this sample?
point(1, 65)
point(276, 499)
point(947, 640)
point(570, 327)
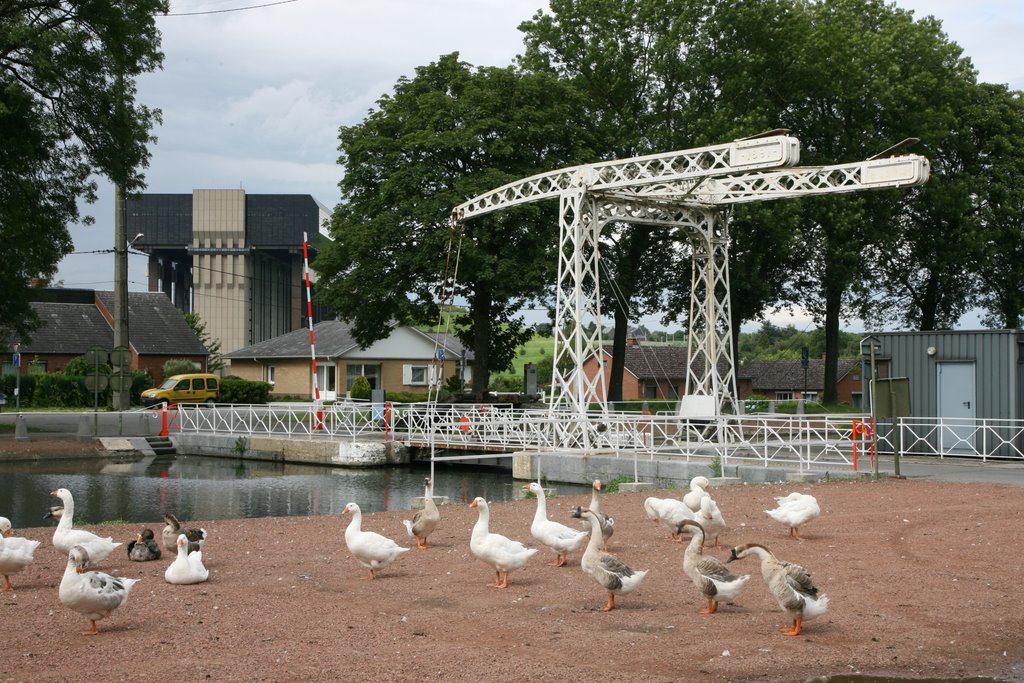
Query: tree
point(451, 132)
point(215, 361)
point(67, 110)
point(999, 253)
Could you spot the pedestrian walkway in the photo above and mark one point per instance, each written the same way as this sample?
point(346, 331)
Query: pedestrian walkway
point(958, 469)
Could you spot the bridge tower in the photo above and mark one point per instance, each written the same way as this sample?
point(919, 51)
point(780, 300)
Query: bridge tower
point(690, 191)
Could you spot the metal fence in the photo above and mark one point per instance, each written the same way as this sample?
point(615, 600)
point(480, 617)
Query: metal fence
point(806, 441)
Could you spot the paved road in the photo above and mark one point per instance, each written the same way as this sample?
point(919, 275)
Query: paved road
point(958, 469)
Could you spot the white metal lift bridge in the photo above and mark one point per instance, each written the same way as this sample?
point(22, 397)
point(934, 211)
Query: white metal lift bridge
point(691, 191)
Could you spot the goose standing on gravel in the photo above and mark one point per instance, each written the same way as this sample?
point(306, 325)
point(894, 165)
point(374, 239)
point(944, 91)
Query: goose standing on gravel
point(196, 537)
point(614, 575)
point(794, 511)
point(143, 548)
point(710, 518)
point(15, 553)
point(187, 566)
point(425, 520)
point(94, 594)
point(670, 512)
point(709, 574)
point(698, 487)
point(790, 585)
point(371, 549)
point(65, 536)
point(607, 523)
point(555, 535)
point(501, 552)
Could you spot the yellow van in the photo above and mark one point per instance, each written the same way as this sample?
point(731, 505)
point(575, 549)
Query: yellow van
point(194, 388)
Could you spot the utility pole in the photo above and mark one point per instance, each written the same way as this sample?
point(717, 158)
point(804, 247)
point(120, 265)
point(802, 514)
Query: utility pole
point(122, 390)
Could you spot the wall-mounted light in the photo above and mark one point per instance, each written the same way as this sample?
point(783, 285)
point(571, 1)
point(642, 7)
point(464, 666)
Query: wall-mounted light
point(932, 350)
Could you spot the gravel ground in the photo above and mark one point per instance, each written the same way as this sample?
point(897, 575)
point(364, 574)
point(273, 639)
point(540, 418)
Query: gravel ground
point(924, 580)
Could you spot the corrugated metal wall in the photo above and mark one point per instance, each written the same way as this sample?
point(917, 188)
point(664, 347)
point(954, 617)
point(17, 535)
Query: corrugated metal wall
point(996, 355)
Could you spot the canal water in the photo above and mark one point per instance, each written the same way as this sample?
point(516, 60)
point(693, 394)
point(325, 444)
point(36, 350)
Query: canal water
point(139, 489)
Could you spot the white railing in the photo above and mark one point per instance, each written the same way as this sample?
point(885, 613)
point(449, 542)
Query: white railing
point(959, 437)
point(806, 441)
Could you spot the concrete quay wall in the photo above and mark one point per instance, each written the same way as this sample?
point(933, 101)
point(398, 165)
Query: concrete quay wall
point(340, 453)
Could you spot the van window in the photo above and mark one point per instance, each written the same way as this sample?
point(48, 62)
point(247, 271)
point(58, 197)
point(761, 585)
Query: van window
point(211, 384)
point(182, 385)
point(198, 384)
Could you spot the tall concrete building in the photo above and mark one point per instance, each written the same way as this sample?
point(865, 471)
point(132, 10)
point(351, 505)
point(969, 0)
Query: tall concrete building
point(234, 259)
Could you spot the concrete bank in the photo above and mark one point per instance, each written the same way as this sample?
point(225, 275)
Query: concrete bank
point(341, 453)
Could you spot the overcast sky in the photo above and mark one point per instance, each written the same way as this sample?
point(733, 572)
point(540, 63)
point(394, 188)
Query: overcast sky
point(253, 99)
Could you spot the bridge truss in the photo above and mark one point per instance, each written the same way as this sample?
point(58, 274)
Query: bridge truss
point(689, 191)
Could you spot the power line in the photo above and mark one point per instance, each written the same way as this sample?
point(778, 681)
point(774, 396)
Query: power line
point(230, 9)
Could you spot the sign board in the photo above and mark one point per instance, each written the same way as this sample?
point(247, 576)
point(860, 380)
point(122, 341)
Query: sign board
point(440, 354)
point(96, 382)
point(16, 360)
point(121, 381)
point(892, 397)
point(121, 357)
point(96, 356)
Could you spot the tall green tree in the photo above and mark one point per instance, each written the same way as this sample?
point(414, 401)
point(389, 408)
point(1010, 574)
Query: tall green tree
point(449, 133)
point(215, 361)
point(67, 110)
point(623, 58)
point(999, 246)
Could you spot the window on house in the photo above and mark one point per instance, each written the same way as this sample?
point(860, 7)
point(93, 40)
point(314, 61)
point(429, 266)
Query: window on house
point(415, 375)
point(810, 395)
point(37, 367)
point(370, 372)
point(650, 390)
point(271, 374)
point(9, 369)
point(783, 395)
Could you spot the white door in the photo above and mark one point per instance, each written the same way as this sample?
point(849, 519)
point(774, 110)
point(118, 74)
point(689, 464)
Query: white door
point(327, 381)
point(957, 407)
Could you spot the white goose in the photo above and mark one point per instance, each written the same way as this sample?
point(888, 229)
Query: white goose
point(187, 566)
point(670, 512)
point(555, 535)
point(607, 523)
point(501, 552)
point(426, 520)
point(698, 487)
point(710, 518)
point(371, 549)
point(66, 537)
point(614, 575)
point(15, 553)
point(709, 574)
point(790, 585)
point(94, 594)
point(794, 511)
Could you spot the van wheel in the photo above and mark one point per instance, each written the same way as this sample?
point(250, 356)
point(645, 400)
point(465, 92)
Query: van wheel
point(210, 403)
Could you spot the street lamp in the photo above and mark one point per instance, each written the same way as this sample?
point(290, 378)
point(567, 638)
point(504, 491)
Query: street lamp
point(869, 346)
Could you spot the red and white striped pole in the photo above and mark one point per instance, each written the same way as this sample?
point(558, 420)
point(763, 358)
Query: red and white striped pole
point(319, 422)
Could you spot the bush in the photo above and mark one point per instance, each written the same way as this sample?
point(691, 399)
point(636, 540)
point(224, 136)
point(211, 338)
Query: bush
point(178, 366)
point(237, 390)
point(28, 387)
point(57, 390)
point(80, 368)
point(360, 388)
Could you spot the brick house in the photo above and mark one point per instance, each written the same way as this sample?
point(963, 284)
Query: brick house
point(785, 380)
point(77, 320)
point(403, 362)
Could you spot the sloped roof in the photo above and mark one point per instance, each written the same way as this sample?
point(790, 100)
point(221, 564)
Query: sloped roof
point(155, 326)
point(788, 375)
point(332, 337)
point(658, 362)
point(69, 329)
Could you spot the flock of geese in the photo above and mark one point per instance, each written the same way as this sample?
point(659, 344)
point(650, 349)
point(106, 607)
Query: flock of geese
point(695, 513)
point(97, 595)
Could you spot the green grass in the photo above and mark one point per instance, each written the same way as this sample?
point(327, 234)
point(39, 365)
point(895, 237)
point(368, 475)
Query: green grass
point(537, 350)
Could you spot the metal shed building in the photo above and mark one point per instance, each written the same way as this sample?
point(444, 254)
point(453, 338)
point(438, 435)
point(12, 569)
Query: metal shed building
point(964, 378)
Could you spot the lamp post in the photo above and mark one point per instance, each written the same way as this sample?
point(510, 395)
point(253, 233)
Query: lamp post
point(868, 347)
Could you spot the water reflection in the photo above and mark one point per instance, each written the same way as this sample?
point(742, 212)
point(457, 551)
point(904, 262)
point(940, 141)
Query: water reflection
point(139, 489)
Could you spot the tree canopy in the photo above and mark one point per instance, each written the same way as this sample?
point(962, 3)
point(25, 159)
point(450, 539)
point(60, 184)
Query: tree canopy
point(67, 111)
point(449, 133)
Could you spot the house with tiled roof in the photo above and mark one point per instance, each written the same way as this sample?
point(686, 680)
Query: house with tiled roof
point(405, 361)
point(651, 372)
point(77, 320)
point(787, 380)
